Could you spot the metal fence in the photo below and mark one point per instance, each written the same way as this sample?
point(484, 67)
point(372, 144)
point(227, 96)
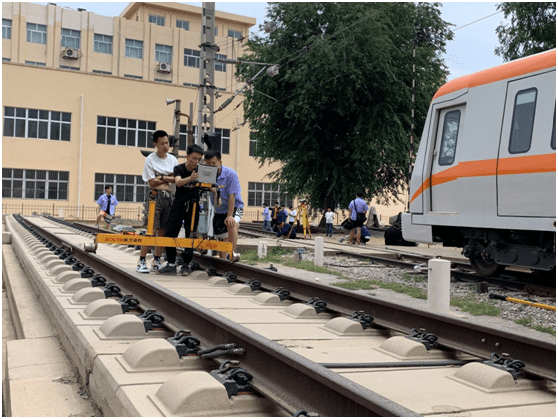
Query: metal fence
point(130, 213)
point(81, 212)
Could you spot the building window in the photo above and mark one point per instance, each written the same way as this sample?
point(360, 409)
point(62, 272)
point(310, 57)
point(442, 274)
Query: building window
point(36, 33)
point(131, 76)
point(523, 121)
point(34, 184)
point(183, 136)
point(6, 60)
point(216, 31)
point(253, 143)
point(134, 49)
point(191, 58)
point(449, 138)
point(162, 81)
point(267, 193)
point(126, 188)
point(158, 20)
point(126, 132)
point(218, 65)
point(183, 24)
point(70, 38)
point(67, 67)
point(34, 123)
point(223, 141)
point(234, 34)
point(163, 53)
point(35, 63)
point(107, 73)
point(102, 44)
point(6, 29)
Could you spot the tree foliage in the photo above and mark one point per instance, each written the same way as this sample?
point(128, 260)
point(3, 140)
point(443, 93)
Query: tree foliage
point(340, 117)
point(532, 29)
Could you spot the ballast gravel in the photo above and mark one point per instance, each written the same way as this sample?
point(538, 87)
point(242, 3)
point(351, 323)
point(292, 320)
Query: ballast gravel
point(356, 269)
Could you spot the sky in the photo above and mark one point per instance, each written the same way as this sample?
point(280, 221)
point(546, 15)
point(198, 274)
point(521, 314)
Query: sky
point(471, 50)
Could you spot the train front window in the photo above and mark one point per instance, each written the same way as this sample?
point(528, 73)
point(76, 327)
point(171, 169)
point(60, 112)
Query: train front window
point(523, 121)
point(449, 138)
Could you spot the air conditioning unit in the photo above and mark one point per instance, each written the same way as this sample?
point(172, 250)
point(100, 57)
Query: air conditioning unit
point(72, 53)
point(164, 68)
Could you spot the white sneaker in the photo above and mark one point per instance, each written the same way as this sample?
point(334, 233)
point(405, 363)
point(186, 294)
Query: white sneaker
point(142, 267)
point(156, 265)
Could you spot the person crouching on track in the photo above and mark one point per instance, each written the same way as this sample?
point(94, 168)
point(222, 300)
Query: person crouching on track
point(158, 173)
point(182, 209)
point(107, 204)
point(229, 213)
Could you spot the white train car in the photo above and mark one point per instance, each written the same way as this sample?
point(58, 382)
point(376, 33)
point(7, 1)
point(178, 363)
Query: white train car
point(485, 173)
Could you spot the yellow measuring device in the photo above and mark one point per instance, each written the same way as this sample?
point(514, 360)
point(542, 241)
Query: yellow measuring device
point(151, 240)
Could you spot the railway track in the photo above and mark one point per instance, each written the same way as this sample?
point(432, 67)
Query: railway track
point(302, 377)
point(512, 279)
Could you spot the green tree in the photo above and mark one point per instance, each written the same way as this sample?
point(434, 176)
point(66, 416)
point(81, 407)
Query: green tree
point(339, 116)
point(532, 29)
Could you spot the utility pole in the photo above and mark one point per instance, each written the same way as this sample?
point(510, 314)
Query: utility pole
point(206, 97)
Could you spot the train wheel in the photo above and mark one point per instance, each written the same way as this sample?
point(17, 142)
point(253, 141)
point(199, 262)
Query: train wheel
point(486, 267)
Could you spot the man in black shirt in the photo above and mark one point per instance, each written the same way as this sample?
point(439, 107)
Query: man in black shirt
point(182, 209)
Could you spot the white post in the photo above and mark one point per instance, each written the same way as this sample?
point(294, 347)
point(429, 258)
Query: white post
point(439, 285)
point(61, 212)
point(262, 250)
point(319, 251)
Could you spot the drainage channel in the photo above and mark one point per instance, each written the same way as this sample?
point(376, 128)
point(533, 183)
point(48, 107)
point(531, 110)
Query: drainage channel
point(278, 373)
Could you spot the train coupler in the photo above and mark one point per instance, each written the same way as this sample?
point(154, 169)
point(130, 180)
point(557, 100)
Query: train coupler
point(236, 380)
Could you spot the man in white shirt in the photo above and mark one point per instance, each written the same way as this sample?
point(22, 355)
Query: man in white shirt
point(292, 215)
point(158, 173)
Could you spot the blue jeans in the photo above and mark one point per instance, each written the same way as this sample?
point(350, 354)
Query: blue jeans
point(329, 229)
point(267, 226)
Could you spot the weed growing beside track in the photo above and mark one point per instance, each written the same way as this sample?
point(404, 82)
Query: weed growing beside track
point(527, 322)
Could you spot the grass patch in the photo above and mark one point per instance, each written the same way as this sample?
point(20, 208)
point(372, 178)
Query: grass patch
point(549, 330)
point(414, 278)
point(370, 284)
point(475, 308)
point(274, 255)
point(524, 321)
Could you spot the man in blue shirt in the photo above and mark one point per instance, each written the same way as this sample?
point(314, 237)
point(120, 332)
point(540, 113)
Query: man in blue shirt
point(229, 213)
point(357, 206)
point(267, 219)
point(107, 203)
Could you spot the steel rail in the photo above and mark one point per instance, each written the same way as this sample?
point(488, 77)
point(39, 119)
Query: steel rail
point(481, 341)
point(279, 373)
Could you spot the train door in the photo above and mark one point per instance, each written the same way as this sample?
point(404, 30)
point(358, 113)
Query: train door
point(526, 174)
point(442, 189)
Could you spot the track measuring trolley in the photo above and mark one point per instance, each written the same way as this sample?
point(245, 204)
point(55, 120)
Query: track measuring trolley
point(201, 222)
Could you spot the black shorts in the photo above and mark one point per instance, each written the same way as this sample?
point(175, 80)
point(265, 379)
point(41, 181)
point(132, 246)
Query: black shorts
point(219, 227)
point(357, 223)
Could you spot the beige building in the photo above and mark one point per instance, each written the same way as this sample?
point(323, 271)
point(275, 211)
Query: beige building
point(82, 94)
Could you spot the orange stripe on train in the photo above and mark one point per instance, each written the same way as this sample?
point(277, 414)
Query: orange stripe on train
point(542, 163)
point(501, 72)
